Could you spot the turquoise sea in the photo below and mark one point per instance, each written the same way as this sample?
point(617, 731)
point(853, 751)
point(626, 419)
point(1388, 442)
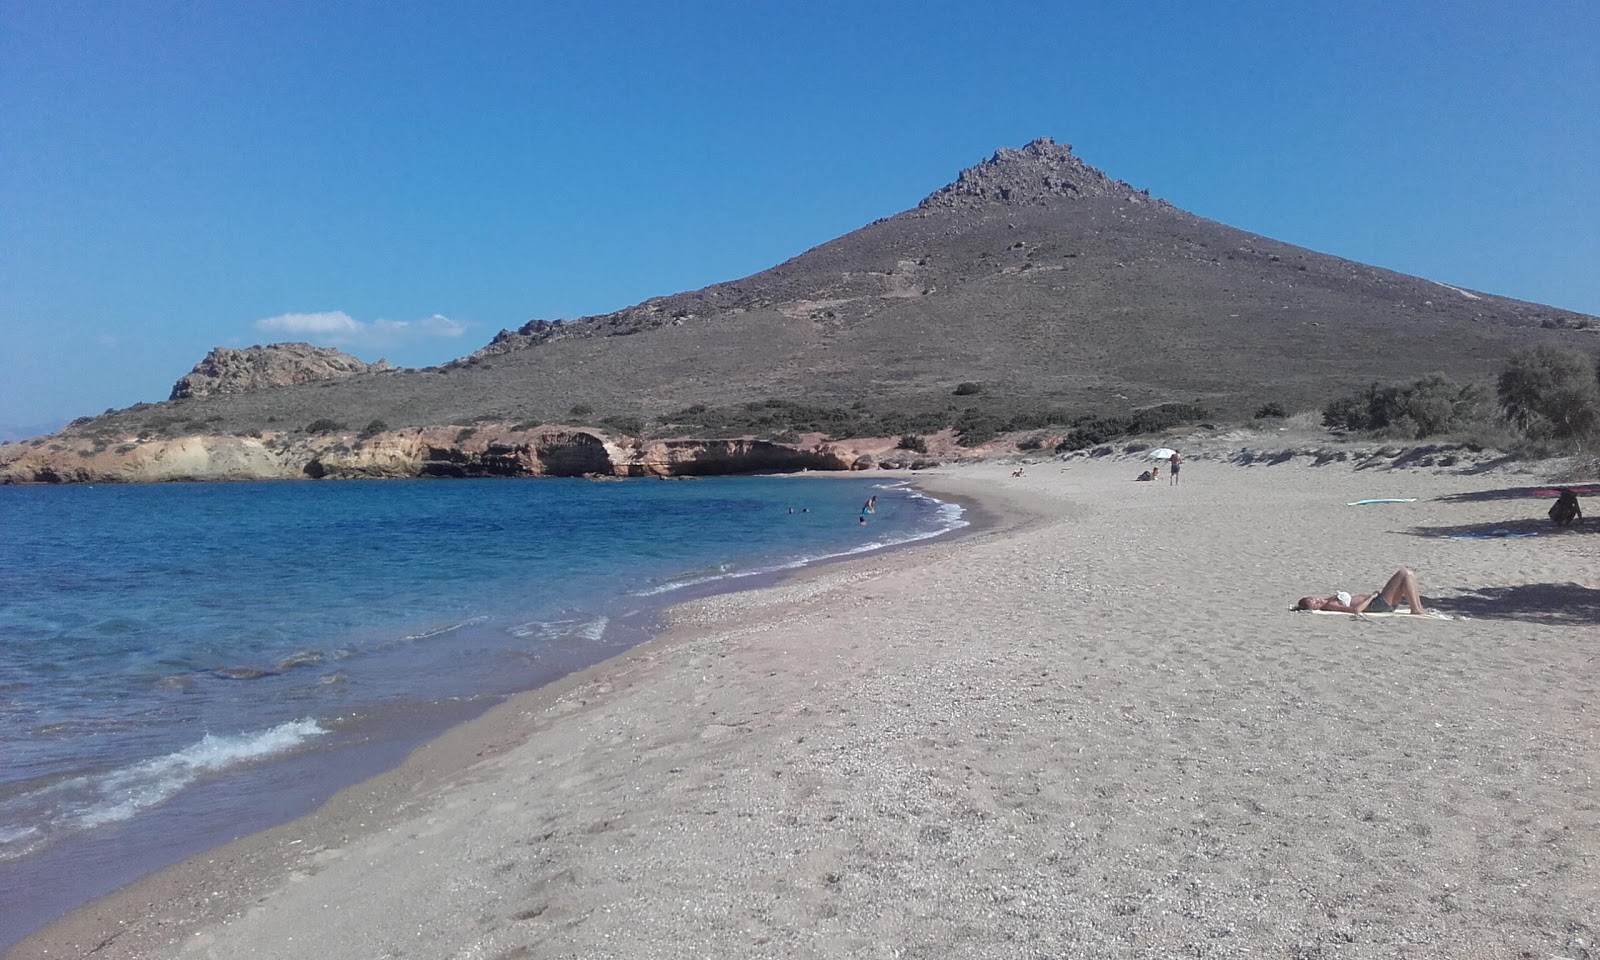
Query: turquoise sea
point(182, 664)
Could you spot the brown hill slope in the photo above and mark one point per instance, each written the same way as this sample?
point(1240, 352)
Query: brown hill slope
point(1037, 276)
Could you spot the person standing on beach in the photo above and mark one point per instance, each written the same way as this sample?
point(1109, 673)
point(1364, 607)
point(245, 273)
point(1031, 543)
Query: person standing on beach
point(1176, 462)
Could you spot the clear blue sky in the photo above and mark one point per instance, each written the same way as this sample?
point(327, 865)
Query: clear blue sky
point(405, 179)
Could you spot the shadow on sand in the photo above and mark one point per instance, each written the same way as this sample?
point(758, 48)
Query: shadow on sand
point(1507, 529)
point(1557, 604)
point(1544, 491)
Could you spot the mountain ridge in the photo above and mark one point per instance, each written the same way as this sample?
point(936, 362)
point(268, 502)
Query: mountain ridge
point(1053, 285)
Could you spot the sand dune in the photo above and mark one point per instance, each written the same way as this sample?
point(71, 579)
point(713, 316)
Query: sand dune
point(1093, 728)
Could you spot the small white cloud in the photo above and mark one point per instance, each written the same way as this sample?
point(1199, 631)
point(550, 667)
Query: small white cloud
point(437, 325)
point(340, 329)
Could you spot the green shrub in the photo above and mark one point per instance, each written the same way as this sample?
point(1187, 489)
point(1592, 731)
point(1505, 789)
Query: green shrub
point(1165, 415)
point(581, 410)
point(465, 434)
point(1423, 408)
point(1271, 409)
point(1093, 431)
point(373, 429)
point(324, 425)
point(764, 417)
point(974, 429)
point(627, 425)
point(968, 388)
point(1551, 392)
point(526, 425)
point(1037, 419)
point(913, 443)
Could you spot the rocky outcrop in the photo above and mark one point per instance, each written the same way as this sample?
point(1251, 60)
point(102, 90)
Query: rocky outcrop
point(676, 458)
point(491, 450)
point(1041, 171)
point(226, 370)
point(78, 460)
point(488, 451)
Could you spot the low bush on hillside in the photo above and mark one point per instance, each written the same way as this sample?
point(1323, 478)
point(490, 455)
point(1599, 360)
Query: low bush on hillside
point(913, 443)
point(968, 388)
point(581, 410)
point(626, 425)
point(974, 428)
point(324, 425)
point(1428, 406)
point(1551, 393)
point(465, 434)
point(373, 429)
point(765, 418)
point(1271, 410)
point(1091, 431)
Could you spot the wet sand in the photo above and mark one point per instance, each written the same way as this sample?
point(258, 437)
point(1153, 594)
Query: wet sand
point(1094, 728)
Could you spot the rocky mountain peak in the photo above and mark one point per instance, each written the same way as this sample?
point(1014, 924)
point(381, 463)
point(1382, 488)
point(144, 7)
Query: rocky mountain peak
point(227, 370)
point(1041, 172)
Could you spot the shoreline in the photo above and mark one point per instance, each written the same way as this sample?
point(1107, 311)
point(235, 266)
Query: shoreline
point(1092, 728)
point(652, 623)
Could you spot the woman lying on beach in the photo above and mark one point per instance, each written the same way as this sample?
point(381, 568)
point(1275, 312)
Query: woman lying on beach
point(1402, 585)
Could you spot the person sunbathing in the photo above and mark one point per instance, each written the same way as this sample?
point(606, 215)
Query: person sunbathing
point(1401, 586)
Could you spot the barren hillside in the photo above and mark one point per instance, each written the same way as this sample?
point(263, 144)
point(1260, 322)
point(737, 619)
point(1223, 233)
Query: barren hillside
point(1049, 284)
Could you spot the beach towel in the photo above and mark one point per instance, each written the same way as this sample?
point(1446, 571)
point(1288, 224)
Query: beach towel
point(1495, 535)
point(1362, 503)
point(1403, 612)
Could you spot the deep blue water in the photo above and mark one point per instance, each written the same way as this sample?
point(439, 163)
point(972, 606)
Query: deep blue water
point(156, 641)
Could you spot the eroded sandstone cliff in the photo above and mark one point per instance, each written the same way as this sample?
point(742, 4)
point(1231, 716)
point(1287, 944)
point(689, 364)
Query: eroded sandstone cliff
point(490, 450)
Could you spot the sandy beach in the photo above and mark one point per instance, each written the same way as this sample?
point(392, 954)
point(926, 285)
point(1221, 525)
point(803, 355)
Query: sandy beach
point(1092, 728)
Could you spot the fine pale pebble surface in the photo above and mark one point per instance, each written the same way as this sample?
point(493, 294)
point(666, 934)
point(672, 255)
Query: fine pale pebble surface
point(1091, 728)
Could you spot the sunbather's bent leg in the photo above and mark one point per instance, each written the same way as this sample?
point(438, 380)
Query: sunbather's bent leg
point(1403, 584)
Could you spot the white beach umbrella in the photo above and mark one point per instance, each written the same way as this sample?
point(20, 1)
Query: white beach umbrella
point(1160, 453)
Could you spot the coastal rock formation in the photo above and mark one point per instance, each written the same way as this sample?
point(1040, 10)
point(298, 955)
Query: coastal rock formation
point(226, 370)
point(199, 457)
point(489, 450)
point(676, 458)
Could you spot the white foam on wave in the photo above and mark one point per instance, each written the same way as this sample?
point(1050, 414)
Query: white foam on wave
point(10, 835)
point(951, 517)
point(92, 800)
point(447, 628)
point(589, 628)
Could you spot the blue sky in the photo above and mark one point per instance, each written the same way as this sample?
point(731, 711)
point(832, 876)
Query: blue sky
point(405, 179)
